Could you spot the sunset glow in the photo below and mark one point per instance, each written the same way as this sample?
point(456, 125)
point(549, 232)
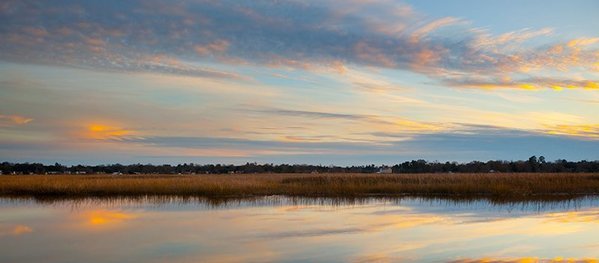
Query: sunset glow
point(326, 82)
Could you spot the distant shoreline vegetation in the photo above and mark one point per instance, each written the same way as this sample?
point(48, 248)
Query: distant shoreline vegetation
point(532, 165)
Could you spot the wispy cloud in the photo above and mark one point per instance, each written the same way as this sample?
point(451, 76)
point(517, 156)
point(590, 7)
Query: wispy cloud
point(590, 131)
point(485, 140)
point(527, 84)
point(419, 33)
point(317, 114)
point(391, 123)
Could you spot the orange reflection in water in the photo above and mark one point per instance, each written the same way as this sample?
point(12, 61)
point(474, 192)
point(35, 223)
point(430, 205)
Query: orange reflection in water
point(377, 231)
point(15, 231)
point(528, 260)
point(21, 229)
point(574, 217)
point(106, 217)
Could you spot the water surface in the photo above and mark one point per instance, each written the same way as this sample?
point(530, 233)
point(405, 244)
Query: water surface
point(282, 229)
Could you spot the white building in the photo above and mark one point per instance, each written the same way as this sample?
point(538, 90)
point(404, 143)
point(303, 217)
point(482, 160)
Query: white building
point(385, 170)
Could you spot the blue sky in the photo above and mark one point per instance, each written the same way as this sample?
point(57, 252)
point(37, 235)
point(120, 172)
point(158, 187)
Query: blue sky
point(324, 82)
point(570, 18)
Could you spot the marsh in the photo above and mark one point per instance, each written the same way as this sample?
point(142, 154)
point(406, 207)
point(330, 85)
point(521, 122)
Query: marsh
point(524, 186)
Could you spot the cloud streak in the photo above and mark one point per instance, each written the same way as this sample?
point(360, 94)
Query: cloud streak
point(485, 140)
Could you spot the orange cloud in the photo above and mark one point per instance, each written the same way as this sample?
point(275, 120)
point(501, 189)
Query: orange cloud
point(372, 54)
point(583, 41)
point(514, 37)
point(556, 50)
point(338, 67)
point(102, 132)
point(36, 31)
point(290, 63)
point(12, 120)
point(95, 44)
point(522, 35)
point(425, 59)
point(584, 130)
point(432, 26)
point(218, 46)
point(163, 59)
point(532, 84)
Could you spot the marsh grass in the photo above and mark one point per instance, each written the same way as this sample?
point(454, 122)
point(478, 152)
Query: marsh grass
point(521, 186)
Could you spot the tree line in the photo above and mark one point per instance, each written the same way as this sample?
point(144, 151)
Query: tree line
point(532, 165)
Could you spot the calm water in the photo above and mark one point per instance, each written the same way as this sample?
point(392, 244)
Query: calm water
point(279, 229)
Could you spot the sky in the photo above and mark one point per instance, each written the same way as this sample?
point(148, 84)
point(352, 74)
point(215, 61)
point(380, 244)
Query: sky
point(348, 82)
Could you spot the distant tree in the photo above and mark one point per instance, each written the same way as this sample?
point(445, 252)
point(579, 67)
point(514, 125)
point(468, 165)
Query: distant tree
point(533, 162)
